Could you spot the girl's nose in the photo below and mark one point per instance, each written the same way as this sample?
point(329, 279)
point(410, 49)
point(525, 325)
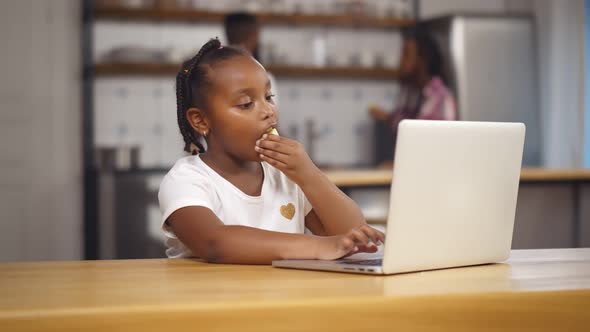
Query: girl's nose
point(268, 111)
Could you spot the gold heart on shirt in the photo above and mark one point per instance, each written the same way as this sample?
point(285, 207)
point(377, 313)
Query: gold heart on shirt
point(288, 211)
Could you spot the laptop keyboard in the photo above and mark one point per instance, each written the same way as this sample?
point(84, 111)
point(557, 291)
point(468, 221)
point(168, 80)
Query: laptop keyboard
point(366, 262)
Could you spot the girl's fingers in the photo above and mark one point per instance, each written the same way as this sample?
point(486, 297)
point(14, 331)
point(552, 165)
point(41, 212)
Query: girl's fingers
point(369, 233)
point(272, 146)
point(275, 143)
point(283, 158)
point(370, 248)
point(375, 235)
point(275, 138)
point(382, 236)
point(280, 139)
point(278, 164)
point(359, 237)
point(348, 247)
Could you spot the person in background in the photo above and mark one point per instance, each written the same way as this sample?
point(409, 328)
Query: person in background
point(243, 30)
point(424, 94)
point(248, 196)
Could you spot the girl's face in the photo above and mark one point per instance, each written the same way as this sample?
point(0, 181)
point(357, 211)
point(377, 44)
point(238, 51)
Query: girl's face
point(240, 107)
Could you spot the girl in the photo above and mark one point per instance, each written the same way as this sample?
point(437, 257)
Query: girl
point(248, 197)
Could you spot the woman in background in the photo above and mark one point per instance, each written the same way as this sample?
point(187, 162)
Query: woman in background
point(423, 95)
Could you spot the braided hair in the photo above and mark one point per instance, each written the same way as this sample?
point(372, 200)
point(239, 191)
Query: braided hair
point(193, 84)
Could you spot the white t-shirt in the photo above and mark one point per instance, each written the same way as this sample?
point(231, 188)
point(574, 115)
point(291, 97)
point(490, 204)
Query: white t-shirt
point(281, 207)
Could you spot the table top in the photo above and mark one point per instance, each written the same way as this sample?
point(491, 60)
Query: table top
point(155, 293)
point(382, 177)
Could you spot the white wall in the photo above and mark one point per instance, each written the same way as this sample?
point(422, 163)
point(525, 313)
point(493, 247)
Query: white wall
point(40, 139)
point(560, 27)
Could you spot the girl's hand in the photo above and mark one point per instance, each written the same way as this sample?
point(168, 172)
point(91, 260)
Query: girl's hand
point(360, 239)
point(287, 155)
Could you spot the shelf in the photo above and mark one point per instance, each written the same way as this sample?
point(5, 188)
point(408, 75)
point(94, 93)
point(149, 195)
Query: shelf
point(167, 69)
point(335, 72)
point(202, 16)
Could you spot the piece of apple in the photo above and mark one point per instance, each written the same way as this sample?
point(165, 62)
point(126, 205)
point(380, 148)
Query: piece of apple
point(272, 131)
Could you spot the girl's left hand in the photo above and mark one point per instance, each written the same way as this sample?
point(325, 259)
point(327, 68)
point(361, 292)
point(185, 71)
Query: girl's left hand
point(287, 155)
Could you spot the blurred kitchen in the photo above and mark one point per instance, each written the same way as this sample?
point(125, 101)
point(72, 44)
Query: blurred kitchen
point(80, 173)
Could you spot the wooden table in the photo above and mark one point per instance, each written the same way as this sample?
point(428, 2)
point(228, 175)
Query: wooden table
point(535, 289)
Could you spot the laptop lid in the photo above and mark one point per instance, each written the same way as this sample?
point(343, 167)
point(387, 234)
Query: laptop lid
point(453, 194)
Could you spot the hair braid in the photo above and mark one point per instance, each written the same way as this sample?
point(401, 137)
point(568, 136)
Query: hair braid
point(192, 84)
point(182, 104)
point(184, 100)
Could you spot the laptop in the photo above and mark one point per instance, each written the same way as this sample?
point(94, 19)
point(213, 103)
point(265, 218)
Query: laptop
point(452, 199)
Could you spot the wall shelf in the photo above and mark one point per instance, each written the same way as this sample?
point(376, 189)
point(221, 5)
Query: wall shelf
point(202, 16)
point(169, 69)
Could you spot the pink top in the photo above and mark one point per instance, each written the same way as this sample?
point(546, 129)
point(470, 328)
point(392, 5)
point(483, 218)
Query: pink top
point(439, 103)
point(436, 102)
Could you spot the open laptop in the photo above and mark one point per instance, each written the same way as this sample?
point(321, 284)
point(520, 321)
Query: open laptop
point(453, 199)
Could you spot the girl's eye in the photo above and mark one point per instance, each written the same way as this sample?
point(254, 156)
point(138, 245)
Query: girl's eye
point(246, 106)
point(270, 98)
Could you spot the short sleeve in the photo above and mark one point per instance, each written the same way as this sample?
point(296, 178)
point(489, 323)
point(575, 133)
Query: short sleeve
point(176, 193)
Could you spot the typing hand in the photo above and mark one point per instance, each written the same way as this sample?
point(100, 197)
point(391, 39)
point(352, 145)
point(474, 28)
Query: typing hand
point(360, 239)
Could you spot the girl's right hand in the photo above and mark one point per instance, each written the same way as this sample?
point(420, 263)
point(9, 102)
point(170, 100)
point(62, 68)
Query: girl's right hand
point(360, 239)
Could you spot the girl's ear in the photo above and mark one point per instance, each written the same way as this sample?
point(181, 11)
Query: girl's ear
point(198, 121)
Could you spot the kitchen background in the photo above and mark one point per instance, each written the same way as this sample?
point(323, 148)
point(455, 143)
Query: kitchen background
point(81, 176)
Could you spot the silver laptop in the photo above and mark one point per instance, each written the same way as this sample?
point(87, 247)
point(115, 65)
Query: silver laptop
point(453, 199)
